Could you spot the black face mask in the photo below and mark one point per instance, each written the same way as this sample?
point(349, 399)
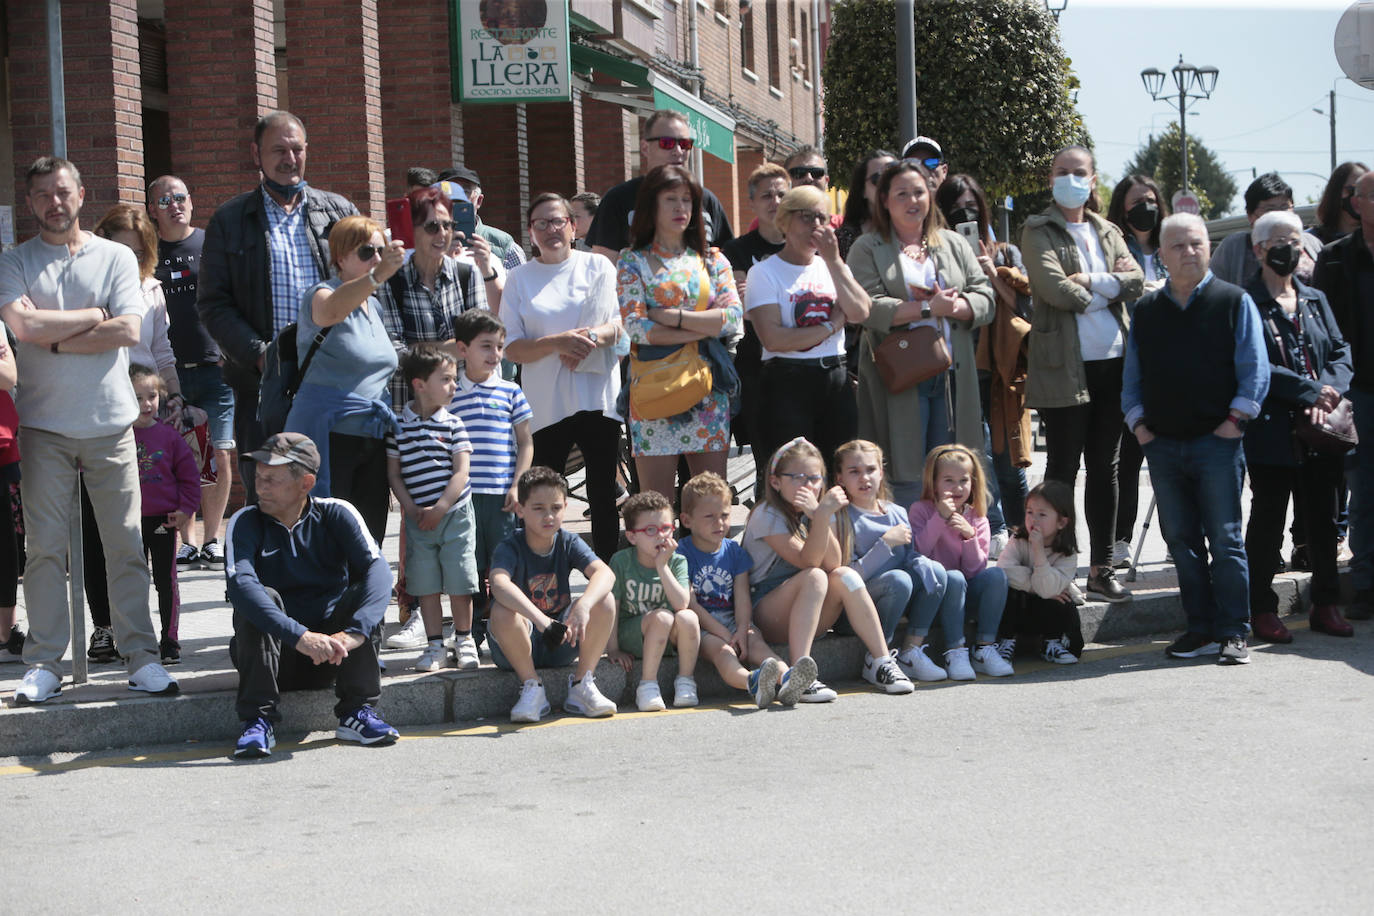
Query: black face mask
point(1144, 216)
point(1282, 259)
point(1348, 205)
point(963, 215)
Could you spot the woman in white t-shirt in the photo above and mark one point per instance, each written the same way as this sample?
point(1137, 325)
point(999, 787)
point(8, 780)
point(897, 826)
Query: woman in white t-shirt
point(563, 323)
point(799, 301)
point(1081, 276)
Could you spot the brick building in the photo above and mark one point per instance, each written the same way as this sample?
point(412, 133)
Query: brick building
point(153, 86)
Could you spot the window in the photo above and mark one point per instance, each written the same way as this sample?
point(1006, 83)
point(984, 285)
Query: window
point(773, 33)
point(806, 45)
point(746, 39)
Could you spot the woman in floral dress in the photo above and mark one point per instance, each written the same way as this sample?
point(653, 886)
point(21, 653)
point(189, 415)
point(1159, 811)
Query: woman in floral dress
point(674, 290)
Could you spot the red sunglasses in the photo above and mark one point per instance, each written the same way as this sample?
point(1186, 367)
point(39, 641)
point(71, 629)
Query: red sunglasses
point(670, 142)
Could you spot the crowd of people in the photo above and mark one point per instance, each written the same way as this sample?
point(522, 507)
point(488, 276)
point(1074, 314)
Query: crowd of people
point(881, 364)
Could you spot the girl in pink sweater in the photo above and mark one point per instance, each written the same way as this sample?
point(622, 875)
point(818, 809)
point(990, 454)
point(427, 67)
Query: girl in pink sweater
point(949, 525)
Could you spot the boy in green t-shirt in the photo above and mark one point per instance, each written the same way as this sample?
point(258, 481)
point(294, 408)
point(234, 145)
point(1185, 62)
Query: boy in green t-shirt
point(652, 600)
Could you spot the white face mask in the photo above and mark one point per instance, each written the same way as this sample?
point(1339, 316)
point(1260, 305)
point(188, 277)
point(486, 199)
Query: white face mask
point(1071, 191)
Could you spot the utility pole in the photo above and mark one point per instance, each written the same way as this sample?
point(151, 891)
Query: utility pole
point(906, 69)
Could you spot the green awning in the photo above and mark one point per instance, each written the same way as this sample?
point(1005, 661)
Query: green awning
point(713, 130)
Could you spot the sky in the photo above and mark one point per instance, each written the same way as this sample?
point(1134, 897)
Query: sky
point(1276, 63)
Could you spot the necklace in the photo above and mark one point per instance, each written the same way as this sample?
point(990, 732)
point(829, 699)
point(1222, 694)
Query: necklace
point(915, 252)
point(665, 253)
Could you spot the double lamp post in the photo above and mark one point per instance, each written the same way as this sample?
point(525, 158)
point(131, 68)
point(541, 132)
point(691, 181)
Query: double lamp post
point(1192, 83)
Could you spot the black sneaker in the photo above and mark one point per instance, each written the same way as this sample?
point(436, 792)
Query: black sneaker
point(1234, 652)
point(1104, 585)
point(1194, 645)
point(1300, 562)
point(12, 649)
point(102, 648)
point(170, 650)
point(188, 555)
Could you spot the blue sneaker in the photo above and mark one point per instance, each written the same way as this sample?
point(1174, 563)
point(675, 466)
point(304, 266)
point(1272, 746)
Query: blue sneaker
point(364, 726)
point(764, 681)
point(797, 680)
point(257, 739)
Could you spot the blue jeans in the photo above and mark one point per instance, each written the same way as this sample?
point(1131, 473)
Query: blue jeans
point(1197, 488)
point(1361, 505)
point(985, 595)
point(895, 593)
point(935, 430)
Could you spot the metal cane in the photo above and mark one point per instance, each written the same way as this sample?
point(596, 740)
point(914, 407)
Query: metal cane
point(1140, 542)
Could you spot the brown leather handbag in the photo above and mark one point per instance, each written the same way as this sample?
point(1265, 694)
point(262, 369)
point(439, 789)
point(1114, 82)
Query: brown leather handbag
point(908, 357)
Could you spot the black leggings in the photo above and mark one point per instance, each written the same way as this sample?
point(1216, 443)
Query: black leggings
point(1315, 484)
point(357, 474)
point(598, 437)
point(1093, 431)
point(1027, 615)
point(159, 545)
point(11, 549)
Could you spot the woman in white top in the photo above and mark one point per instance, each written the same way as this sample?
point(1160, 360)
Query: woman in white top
point(799, 301)
point(1081, 276)
point(563, 323)
point(130, 226)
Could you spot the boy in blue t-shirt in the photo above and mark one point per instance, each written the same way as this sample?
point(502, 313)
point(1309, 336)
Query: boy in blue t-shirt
point(530, 590)
point(718, 569)
point(497, 417)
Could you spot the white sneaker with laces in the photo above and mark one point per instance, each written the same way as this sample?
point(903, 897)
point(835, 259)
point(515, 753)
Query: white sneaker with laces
point(648, 697)
point(410, 636)
point(465, 656)
point(956, 662)
point(1121, 555)
point(533, 704)
point(1007, 649)
point(1058, 653)
point(685, 691)
point(987, 660)
point(585, 699)
point(153, 678)
point(433, 658)
point(818, 692)
point(212, 554)
point(188, 555)
point(918, 666)
point(39, 684)
point(885, 674)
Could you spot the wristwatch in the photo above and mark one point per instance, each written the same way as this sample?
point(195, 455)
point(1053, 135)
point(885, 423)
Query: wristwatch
point(591, 335)
point(925, 309)
point(1238, 421)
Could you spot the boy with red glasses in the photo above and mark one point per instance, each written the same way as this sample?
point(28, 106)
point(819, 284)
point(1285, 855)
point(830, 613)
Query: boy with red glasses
point(652, 600)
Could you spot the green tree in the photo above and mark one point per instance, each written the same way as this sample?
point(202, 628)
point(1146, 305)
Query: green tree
point(992, 85)
point(1161, 159)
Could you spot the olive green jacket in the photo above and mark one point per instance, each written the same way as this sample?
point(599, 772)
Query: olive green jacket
point(1054, 374)
point(894, 421)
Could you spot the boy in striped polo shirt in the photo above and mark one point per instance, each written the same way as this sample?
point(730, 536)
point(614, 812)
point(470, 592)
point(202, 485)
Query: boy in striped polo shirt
point(497, 418)
point(427, 466)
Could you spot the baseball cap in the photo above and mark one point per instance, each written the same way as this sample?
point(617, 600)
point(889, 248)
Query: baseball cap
point(459, 173)
point(288, 448)
point(919, 142)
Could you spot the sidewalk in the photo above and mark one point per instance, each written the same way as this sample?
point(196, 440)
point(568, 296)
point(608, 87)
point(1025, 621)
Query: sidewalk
point(104, 713)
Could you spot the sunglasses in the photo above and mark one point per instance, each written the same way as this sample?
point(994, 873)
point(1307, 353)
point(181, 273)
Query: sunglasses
point(875, 179)
point(810, 216)
point(435, 226)
point(803, 478)
point(670, 142)
point(930, 162)
point(544, 225)
point(798, 172)
point(166, 200)
point(658, 530)
point(368, 252)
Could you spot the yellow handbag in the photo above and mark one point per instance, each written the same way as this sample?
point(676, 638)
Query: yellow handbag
point(674, 383)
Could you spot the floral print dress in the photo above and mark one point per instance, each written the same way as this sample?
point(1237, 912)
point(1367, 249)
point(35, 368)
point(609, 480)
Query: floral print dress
point(678, 282)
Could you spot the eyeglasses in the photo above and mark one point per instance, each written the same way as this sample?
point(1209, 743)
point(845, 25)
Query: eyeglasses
point(670, 142)
point(931, 162)
point(166, 200)
point(798, 172)
point(368, 252)
point(658, 530)
point(810, 216)
point(802, 478)
point(544, 225)
point(875, 178)
point(435, 226)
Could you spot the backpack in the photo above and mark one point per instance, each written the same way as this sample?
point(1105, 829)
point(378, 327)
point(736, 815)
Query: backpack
point(282, 377)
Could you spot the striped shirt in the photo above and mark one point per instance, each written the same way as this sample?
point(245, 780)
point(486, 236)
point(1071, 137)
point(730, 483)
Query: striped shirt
point(294, 268)
point(426, 449)
point(421, 316)
point(490, 411)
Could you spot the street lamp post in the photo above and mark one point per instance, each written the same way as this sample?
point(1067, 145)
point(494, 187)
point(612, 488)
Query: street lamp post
point(1192, 83)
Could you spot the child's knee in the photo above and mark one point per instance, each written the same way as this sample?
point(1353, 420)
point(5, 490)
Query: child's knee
point(685, 622)
point(602, 611)
point(657, 622)
point(813, 579)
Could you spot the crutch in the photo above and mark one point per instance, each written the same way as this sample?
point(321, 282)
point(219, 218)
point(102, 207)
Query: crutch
point(1140, 542)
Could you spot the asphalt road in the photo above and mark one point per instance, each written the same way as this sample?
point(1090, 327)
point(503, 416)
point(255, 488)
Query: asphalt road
point(1127, 784)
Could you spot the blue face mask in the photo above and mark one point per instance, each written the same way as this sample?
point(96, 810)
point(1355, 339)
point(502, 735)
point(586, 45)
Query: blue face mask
point(1071, 191)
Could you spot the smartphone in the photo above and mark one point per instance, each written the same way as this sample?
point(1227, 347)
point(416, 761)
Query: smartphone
point(464, 218)
point(970, 233)
point(398, 221)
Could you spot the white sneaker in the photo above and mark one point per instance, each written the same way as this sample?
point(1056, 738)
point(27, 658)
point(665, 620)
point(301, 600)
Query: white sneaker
point(153, 678)
point(533, 704)
point(648, 698)
point(465, 656)
point(956, 661)
point(818, 693)
point(1058, 653)
point(918, 665)
point(39, 684)
point(886, 674)
point(212, 554)
point(987, 660)
point(996, 544)
point(410, 636)
point(1121, 555)
point(585, 700)
point(685, 691)
point(433, 657)
point(1007, 649)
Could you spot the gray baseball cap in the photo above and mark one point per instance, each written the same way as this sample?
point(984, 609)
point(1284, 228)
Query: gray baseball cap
point(288, 448)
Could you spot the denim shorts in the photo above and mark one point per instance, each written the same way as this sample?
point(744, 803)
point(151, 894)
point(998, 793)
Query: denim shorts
point(541, 656)
point(777, 576)
point(204, 387)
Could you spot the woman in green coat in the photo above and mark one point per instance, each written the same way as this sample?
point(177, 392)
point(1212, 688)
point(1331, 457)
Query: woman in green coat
point(1081, 277)
point(918, 272)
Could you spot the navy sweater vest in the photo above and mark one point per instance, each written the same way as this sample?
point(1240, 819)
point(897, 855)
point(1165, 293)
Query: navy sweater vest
point(1187, 360)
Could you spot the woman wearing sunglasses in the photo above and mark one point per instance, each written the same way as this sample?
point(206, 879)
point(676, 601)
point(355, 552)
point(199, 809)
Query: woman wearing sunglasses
point(563, 324)
point(343, 403)
point(858, 208)
point(674, 291)
point(799, 301)
point(918, 273)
